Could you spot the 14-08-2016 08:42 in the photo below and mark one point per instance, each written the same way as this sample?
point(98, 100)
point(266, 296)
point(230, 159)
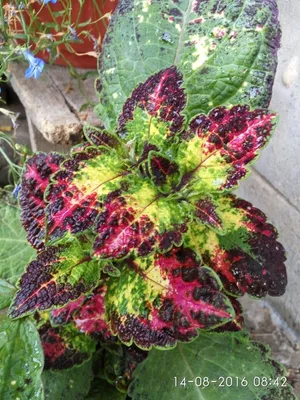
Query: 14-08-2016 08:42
point(230, 381)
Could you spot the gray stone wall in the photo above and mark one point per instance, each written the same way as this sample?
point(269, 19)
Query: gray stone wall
point(274, 185)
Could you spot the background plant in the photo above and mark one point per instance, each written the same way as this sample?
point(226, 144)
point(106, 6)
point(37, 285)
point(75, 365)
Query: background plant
point(15, 161)
point(24, 33)
point(141, 244)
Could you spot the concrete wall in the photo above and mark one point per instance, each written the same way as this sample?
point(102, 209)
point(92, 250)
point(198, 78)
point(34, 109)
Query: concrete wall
point(274, 185)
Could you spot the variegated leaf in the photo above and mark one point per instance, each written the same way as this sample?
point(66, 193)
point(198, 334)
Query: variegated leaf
point(64, 315)
point(35, 179)
point(153, 112)
point(139, 219)
point(75, 193)
point(60, 274)
point(247, 256)
point(79, 148)
point(238, 323)
point(65, 347)
point(90, 316)
point(87, 313)
point(100, 137)
point(165, 298)
point(163, 171)
point(217, 149)
point(207, 213)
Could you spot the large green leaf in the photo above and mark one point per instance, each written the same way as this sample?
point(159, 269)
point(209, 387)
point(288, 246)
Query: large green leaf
point(215, 366)
point(225, 49)
point(15, 252)
point(68, 384)
point(21, 360)
point(6, 294)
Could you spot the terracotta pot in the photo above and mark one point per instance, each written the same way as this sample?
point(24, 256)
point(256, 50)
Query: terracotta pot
point(77, 56)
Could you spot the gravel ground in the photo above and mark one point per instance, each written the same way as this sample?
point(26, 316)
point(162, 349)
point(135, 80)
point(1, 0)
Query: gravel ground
point(269, 328)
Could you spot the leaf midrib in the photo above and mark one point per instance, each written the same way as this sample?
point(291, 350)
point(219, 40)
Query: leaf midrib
point(198, 390)
point(182, 32)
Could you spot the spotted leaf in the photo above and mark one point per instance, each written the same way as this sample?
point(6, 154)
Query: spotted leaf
point(139, 219)
point(79, 148)
point(226, 51)
point(35, 179)
point(100, 137)
point(64, 315)
point(206, 212)
point(90, 317)
point(153, 112)
point(217, 149)
point(87, 314)
point(65, 347)
point(165, 298)
point(238, 323)
point(163, 171)
point(74, 195)
point(247, 257)
point(60, 274)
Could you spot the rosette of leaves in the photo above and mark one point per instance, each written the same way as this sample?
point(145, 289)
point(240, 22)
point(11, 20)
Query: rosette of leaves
point(140, 226)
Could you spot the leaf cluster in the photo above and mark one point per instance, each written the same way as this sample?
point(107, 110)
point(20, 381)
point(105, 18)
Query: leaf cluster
point(141, 244)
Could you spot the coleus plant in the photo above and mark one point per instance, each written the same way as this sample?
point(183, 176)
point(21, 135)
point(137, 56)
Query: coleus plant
point(139, 230)
point(147, 217)
point(142, 244)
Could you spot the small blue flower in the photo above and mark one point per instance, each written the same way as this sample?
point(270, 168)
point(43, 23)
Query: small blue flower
point(49, 37)
point(21, 6)
point(73, 33)
point(28, 56)
point(36, 65)
point(48, 1)
point(16, 191)
point(95, 43)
